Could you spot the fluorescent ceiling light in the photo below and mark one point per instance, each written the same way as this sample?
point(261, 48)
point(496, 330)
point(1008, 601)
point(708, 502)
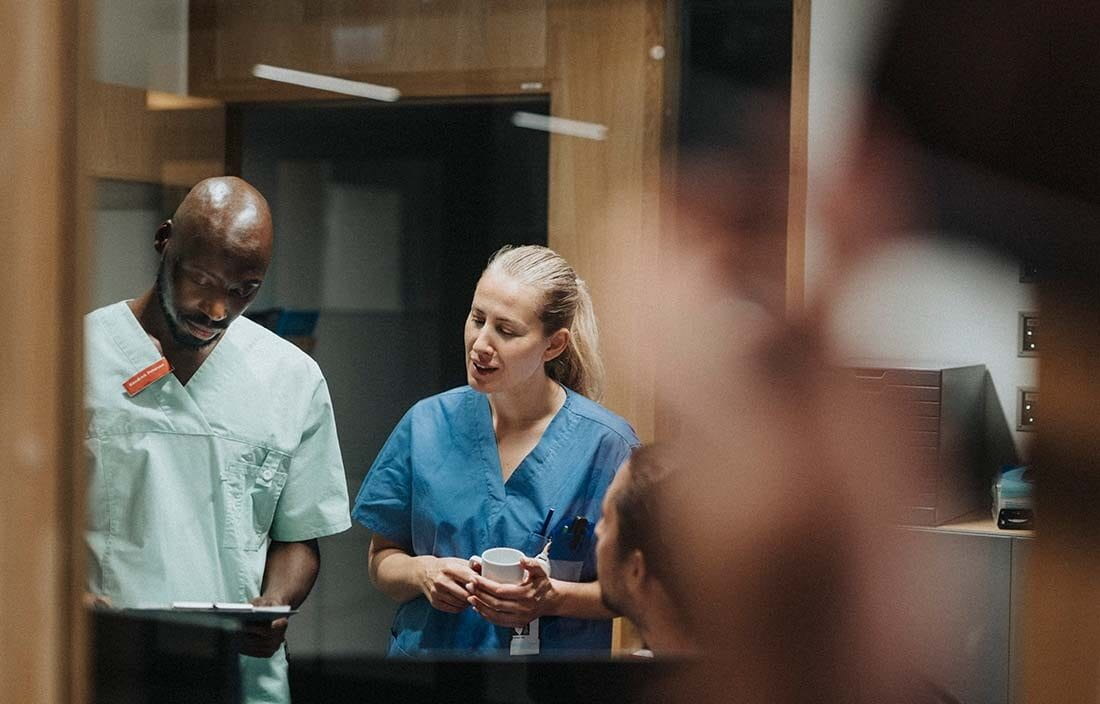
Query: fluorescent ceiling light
point(560, 125)
point(321, 82)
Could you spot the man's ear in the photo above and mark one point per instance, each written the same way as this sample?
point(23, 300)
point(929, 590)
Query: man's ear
point(160, 240)
point(558, 342)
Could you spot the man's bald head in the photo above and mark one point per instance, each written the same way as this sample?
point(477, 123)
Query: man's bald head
point(225, 212)
point(215, 252)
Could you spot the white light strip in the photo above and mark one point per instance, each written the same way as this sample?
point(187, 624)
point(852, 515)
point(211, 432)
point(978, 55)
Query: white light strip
point(560, 125)
point(334, 85)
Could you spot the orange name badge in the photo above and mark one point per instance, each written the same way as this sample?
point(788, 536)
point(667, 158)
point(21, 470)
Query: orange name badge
point(156, 370)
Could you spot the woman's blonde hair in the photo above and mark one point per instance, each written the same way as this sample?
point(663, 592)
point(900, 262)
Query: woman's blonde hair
point(566, 303)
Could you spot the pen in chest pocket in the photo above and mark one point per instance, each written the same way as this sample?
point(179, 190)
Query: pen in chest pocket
point(576, 532)
point(546, 525)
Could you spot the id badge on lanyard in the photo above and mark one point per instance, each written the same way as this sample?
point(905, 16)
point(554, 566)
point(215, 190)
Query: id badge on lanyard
point(525, 641)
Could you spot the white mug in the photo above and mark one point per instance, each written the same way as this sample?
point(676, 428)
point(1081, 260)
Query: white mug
point(502, 565)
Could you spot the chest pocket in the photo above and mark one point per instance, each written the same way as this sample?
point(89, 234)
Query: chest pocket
point(251, 493)
point(570, 549)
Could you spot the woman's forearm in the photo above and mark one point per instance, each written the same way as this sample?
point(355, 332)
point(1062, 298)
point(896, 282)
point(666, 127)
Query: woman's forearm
point(578, 600)
point(398, 574)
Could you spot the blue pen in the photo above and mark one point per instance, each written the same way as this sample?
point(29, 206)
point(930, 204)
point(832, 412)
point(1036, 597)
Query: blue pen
point(546, 523)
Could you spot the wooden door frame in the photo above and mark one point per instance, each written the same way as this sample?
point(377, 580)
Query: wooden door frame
point(795, 278)
point(43, 657)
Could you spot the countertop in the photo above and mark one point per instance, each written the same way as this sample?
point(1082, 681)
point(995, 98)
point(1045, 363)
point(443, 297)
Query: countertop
point(976, 523)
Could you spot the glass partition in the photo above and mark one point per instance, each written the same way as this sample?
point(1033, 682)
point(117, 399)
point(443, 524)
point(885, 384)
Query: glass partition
point(745, 227)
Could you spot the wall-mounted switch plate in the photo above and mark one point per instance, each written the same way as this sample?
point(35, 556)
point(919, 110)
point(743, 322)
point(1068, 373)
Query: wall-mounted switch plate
point(1027, 339)
point(1027, 408)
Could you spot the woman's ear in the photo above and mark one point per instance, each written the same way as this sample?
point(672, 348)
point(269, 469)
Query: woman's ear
point(558, 342)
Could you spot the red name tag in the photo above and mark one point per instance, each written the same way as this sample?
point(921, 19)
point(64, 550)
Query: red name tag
point(156, 370)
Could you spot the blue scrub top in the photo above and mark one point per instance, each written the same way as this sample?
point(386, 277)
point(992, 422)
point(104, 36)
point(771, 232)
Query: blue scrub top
point(437, 488)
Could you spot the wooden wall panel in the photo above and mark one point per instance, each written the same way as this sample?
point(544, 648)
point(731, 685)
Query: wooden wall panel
point(604, 195)
point(192, 144)
point(799, 147)
point(37, 219)
point(132, 143)
point(445, 47)
point(123, 138)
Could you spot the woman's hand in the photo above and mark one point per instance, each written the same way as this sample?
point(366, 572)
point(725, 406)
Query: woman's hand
point(444, 583)
point(514, 605)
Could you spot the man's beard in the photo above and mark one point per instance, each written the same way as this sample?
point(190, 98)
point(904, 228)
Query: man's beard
point(612, 602)
point(182, 337)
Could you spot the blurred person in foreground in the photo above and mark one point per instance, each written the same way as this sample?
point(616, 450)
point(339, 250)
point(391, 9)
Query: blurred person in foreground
point(793, 579)
point(985, 114)
point(632, 554)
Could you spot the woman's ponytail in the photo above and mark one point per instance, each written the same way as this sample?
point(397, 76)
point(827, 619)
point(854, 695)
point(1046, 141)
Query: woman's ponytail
point(566, 304)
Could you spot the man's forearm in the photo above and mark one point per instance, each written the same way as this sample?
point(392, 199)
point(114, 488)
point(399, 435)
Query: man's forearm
point(290, 572)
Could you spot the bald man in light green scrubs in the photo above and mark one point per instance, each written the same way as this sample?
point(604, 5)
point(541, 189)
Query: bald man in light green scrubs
point(213, 459)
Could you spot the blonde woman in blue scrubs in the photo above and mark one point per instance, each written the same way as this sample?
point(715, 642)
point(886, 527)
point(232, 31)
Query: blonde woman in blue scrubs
point(480, 466)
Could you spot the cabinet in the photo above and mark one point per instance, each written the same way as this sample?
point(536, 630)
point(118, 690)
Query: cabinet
point(130, 142)
point(965, 606)
point(1021, 560)
point(442, 47)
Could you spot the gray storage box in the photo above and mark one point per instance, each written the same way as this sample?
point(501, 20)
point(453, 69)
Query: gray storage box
point(941, 409)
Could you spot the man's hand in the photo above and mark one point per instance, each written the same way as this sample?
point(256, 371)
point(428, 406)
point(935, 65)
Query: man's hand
point(96, 601)
point(514, 605)
point(263, 638)
point(443, 583)
point(289, 574)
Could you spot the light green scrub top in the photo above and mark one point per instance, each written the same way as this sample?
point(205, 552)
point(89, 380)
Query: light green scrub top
point(187, 484)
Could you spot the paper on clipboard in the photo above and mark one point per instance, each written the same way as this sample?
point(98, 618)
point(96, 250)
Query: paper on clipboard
point(242, 607)
point(233, 610)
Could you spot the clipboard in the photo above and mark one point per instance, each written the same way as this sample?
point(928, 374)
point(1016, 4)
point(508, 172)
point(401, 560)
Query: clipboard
point(243, 612)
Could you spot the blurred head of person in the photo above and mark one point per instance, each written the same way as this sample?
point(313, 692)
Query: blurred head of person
point(631, 552)
point(793, 573)
point(979, 124)
point(531, 319)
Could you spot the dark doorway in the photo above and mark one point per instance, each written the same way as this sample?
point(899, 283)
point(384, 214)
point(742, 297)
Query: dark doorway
point(384, 216)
